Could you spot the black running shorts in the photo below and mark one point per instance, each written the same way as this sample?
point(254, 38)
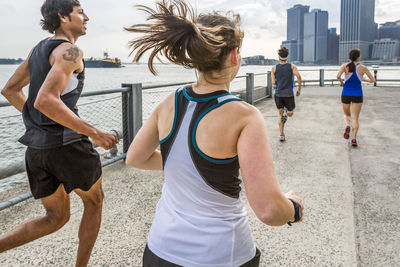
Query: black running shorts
point(285, 102)
point(346, 99)
point(76, 165)
point(152, 260)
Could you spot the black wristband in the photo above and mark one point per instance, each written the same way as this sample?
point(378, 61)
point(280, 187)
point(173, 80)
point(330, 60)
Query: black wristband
point(297, 212)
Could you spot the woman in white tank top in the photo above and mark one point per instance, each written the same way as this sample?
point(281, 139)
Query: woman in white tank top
point(205, 133)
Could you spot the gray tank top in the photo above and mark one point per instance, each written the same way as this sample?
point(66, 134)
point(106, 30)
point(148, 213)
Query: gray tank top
point(284, 80)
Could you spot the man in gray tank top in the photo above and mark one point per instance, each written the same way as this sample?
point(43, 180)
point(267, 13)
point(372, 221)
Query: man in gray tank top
point(283, 79)
point(59, 158)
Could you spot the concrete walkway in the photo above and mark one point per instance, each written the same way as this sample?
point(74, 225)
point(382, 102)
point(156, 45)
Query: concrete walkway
point(351, 196)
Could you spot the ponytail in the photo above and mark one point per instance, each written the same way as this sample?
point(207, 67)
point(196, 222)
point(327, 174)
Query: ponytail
point(184, 39)
point(351, 66)
point(354, 54)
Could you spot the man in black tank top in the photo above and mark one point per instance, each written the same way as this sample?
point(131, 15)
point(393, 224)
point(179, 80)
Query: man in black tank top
point(283, 79)
point(59, 158)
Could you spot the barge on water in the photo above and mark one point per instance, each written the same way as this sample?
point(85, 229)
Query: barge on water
point(106, 62)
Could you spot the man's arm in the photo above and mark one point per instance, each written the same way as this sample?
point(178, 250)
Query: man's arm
point(13, 89)
point(298, 76)
point(273, 75)
point(67, 59)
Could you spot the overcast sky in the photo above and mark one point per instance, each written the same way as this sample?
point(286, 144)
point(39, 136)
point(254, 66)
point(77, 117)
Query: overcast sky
point(263, 21)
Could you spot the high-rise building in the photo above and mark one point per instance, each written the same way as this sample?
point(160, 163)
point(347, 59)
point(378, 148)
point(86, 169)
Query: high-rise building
point(333, 46)
point(390, 30)
point(315, 47)
point(386, 49)
point(357, 27)
point(295, 27)
point(292, 46)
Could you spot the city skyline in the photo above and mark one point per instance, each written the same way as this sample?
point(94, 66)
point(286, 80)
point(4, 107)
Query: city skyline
point(264, 23)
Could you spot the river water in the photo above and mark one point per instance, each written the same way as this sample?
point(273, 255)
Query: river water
point(105, 112)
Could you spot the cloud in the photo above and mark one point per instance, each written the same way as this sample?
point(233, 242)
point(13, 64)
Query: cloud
point(387, 10)
point(264, 23)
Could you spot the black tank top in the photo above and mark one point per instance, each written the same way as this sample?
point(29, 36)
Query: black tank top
point(42, 132)
point(284, 80)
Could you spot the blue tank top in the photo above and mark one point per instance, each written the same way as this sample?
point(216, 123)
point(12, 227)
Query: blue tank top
point(352, 86)
point(284, 80)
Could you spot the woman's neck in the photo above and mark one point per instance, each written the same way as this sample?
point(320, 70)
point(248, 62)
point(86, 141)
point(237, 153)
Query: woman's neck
point(205, 85)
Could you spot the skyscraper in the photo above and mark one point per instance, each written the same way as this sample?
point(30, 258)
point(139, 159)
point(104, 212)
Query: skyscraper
point(390, 30)
point(386, 49)
point(295, 27)
point(357, 27)
point(292, 46)
point(333, 46)
point(315, 47)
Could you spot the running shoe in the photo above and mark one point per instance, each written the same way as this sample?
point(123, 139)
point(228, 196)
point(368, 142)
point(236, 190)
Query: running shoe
point(284, 116)
point(354, 143)
point(347, 133)
point(282, 138)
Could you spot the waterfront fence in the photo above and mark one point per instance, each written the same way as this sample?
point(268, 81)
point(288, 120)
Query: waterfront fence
point(123, 111)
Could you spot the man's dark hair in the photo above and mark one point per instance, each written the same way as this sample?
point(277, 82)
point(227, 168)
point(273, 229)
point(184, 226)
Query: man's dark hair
point(50, 10)
point(283, 52)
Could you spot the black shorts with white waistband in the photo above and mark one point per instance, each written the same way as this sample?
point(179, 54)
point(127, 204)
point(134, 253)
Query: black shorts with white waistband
point(76, 166)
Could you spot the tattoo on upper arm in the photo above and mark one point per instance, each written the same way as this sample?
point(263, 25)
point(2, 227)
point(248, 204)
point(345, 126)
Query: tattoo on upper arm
point(73, 54)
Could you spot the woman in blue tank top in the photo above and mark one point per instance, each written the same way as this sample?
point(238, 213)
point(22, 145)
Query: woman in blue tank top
point(352, 94)
point(205, 134)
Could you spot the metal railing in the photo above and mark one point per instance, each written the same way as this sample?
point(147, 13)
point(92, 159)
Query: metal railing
point(322, 81)
point(132, 118)
point(126, 92)
point(133, 111)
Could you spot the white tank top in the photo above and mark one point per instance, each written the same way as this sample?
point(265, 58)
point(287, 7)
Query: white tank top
point(196, 225)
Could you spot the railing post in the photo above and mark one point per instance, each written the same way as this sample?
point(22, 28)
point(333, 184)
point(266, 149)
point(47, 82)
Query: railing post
point(249, 87)
point(321, 77)
point(269, 84)
point(132, 116)
point(375, 76)
point(125, 117)
point(137, 107)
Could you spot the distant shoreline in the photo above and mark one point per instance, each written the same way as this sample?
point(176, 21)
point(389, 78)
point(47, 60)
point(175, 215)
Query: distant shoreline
point(10, 61)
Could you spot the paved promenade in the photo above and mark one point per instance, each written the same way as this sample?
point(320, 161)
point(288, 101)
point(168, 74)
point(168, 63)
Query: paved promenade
point(351, 195)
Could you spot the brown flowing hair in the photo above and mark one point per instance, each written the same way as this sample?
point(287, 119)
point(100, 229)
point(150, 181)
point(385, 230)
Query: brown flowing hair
point(177, 33)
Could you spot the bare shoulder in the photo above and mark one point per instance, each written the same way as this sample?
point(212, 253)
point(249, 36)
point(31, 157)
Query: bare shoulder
point(343, 67)
point(68, 52)
point(294, 67)
point(167, 105)
point(241, 110)
point(363, 67)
